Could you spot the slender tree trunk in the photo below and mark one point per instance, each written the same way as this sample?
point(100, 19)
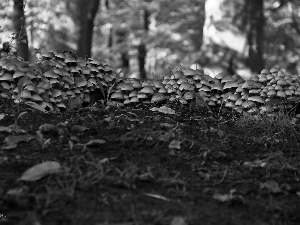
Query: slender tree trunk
point(19, 24)
point(256, 35)
point(142, 48)
point(88, 10)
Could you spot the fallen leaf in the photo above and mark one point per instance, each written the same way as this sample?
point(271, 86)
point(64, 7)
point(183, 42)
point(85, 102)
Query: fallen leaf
point(2, 116)
point(12, 128)
point(220, 133)
point(271, 186)
point(95, 142)
point(157, 196)
point(178, 220)
point(47, 128)
point(222, 198)
point(36, 106)
point(13, 140)
point(175, 144)
point(78, 129)
point(163, 109)
point(41, 170)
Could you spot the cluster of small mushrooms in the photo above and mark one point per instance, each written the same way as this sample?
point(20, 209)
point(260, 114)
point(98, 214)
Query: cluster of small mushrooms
point(61, 76)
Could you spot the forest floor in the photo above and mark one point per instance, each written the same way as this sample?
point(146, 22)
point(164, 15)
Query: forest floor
point(129, 167)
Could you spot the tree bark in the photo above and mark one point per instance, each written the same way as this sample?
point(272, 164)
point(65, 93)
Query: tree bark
point(142, 48)
point(88, 11)
point(19, 24)
point(255, 36)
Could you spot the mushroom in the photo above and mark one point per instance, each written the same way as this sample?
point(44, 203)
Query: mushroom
point(189, 96)
point(147, 90)
point(157, 98)
point(177, 74)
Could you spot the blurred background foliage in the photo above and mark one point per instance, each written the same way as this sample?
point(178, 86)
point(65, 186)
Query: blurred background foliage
point(145, 38)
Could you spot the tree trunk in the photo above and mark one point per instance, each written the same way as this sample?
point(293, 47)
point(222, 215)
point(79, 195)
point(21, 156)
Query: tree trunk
point(19, 24)
point(255, 35)
point(142, 48)
point(142, 53)
point(88, 10)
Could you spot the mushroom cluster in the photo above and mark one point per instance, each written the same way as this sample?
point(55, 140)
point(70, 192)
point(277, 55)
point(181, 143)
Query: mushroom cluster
point(58, 78)
point(53, 80)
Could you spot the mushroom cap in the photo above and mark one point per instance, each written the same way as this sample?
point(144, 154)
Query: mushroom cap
point(177, 74)
point(211, 103)
point(189, 95)
point(7, 77)
point(197, 77)
point(288, 92)
point(205, 82)
point(147, 90)
point(265, 72)
point(238, 109)
point(36, 98)
point(257, 99)
point(167, 77)
point(117, 95)
point(5, 85)
point(134, 100)
point(80, 81)
point(221, 75)
point(205, 88)
point(198, 85)
point(183, 101)
point(227, 78)
point(147, 83)
point(125, 87)
point(253, 110)
point(278, 88)
point(255, 78)
point(4, 61)
point(230, 84)
point(56, 92)
point(158, 84)
point(30, 87)
point(191, 72)
point(141, 95)
point(281, 82)
point(171, 90)
point(60, 105)
point(239, 102)
point(186, 86)
point(281, 94)
point(181, 80)
point(127, 101)
point(217, 87)
point(132, 94)
point(274, 70)
point(69, 58)
point(249, 84)
point(172, 82)
point(271, 93)
point(25, 94)
point(172, 98)
point(233, 97)
point(262, 78)
point(157, 97)
point(50, 74)
point(48, 54)
point(162, 90)
point(18, 73)
point(248, 104)
point(230, 104)
point(255, 91)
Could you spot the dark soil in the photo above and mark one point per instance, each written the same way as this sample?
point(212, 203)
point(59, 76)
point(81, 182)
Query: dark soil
point(223, 170)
